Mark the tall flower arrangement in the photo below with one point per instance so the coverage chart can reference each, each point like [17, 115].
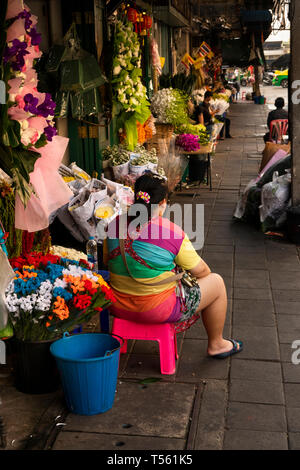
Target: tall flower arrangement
[129, 94]
[26, 121]
[169, 106]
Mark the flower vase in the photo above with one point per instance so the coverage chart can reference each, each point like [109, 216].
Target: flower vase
[35, 370]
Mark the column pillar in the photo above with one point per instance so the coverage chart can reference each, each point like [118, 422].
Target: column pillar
[294, 101]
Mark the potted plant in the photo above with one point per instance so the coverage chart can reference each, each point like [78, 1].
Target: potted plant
[48, 296]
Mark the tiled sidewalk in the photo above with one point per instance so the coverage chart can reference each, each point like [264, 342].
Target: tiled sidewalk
[249, 401]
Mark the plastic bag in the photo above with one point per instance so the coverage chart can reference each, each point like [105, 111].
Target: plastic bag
[120, 171]
[242, 202]
[79, 69]
[110, 211]
[81, 208]
[275, 197]
[85, 103]
[62, 99]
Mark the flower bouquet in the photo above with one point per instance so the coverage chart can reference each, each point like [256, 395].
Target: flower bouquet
[188, 142]
[50, 295]
[169, 106]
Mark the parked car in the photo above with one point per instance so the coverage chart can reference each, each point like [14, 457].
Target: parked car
[281, 78]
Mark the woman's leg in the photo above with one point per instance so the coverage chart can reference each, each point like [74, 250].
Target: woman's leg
[213, 305]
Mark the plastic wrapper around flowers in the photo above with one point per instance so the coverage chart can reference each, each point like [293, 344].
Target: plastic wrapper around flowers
[51, 191]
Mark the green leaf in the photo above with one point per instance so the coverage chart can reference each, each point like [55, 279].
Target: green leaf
[150, 380]
[41, 142]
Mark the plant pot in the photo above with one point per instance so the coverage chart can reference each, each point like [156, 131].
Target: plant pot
[35, 370]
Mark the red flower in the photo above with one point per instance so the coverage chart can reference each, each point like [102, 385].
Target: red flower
[89, 287]
[82, 301]
[98, 309]
[108, 293]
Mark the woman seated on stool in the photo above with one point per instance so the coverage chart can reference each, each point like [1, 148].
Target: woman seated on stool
[152, 251]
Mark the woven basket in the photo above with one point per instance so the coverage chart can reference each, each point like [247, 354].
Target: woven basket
[163, 132]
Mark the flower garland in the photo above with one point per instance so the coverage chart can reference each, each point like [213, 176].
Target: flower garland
[50, 295]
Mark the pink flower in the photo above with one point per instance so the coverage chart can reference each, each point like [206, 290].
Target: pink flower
[20, 101]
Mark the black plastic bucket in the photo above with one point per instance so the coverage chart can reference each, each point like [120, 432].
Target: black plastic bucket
[35, 369]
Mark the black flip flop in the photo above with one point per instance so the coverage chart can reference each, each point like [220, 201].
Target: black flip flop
[232, 351]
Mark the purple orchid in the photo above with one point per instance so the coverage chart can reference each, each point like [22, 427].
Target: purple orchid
[26, 15]
[31, 104]
[47, 107]
[17, 51]
[50, 132]
[35, 37]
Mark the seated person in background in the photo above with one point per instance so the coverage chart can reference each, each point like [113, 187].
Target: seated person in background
[203, 114]
[278, 113]
[152, 251]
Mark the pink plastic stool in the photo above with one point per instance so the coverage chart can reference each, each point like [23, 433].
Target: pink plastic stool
[164, 333]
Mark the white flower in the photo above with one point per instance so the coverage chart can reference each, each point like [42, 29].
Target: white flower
[117, 70]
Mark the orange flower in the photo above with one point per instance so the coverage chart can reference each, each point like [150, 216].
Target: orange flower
[61, 309]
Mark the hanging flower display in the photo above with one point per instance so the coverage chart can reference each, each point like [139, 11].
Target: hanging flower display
[129, 94]
[27, 118]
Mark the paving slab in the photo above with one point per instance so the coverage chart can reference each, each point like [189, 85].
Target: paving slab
[157, 410]
[259, 342]
[211, 420]
[255, 440]
[293, 419]
[256, 417]
[194, 365]
[253, 313]
[254, 391]
[255, 370]
[258, 294]
[251, 279]
[118, 442]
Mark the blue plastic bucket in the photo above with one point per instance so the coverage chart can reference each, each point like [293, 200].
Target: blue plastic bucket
[88, 365]
[256, 99]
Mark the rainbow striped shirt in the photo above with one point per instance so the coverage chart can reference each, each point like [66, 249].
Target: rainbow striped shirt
[160, 246]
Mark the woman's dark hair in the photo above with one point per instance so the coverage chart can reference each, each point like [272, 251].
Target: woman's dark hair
[279, 102]
[154, 186]
[208, 94]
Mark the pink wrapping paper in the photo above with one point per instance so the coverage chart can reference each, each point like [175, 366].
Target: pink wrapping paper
[51, 191]
[16, 30]
[278, 156]
[14, 7]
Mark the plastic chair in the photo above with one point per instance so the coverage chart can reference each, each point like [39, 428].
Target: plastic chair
[278, 128]
[164, 333]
